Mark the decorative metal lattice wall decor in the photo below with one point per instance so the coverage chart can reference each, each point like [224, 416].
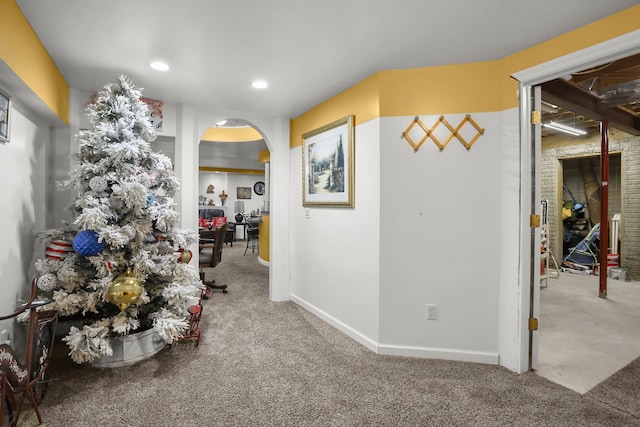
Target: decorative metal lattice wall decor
[430, 132]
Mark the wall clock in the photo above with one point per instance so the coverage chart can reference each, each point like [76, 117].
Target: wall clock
[258, 187]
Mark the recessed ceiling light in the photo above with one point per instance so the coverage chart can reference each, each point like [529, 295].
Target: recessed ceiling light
[160, 66]
[259, 84]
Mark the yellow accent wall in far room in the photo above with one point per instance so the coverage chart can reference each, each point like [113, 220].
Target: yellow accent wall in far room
[220, 134]
[264, 239]
[231, 170]
[264, 156]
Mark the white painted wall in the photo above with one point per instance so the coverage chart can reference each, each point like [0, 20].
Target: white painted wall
[229, 182]
[23, 171]
[169, 112]
[449, 201]
[280, 177]
[62, 158]
[335, 253]
[219, 182]
[510, 293]
[429, 227]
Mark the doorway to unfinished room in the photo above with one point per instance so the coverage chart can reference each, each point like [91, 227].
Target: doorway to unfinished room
[534, 302]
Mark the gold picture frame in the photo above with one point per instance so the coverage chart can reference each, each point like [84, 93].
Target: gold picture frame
[5, 111]
[328, 165]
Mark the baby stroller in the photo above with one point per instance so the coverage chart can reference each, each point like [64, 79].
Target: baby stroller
[586, 252]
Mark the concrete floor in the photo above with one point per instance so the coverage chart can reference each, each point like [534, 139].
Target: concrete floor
[584, 339]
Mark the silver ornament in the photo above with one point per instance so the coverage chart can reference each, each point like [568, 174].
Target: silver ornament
[98, 183]
[129, 231]
[47, 282]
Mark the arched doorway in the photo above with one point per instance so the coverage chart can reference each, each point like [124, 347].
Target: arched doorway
[233, 182]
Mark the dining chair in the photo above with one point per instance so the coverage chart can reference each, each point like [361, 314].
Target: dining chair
[210, 254]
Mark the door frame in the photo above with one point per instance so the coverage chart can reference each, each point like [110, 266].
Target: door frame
[610, 50]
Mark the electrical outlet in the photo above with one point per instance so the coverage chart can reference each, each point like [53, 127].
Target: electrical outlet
[432, 312]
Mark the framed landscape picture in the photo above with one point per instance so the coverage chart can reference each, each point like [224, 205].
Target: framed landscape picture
[5, 104]
[327, 165]
[244, 193]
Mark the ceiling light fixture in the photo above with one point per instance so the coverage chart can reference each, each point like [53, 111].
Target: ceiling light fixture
[260, 84]
[221, 123]
[564, 128]
[160, 66]
[549, 107]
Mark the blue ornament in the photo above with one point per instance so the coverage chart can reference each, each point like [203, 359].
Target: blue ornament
[150, 199]
[86, 243]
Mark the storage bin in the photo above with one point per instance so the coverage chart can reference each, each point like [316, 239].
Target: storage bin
[617, 273]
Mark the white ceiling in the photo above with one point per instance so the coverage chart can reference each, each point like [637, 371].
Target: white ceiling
[231, 155]
[307, 50]
[235, 155]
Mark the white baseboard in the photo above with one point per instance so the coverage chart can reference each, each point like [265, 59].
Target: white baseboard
[349, 331]
[397, 350]
[440, 353]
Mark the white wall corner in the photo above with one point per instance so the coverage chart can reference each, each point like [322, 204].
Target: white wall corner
[342, 327]
[280, 207]
[186, 168]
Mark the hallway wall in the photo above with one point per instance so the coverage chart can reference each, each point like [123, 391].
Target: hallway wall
[486, 288]
[24, 204]
[335, 252]
[450, 202]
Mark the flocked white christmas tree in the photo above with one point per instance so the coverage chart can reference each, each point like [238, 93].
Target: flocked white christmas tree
[116, 267]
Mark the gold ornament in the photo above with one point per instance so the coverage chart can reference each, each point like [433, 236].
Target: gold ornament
[185, 255]
[125, 290]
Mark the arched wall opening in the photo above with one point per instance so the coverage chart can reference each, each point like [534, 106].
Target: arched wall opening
[233, 181]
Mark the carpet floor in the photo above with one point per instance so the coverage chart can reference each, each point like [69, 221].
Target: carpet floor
[263, 363]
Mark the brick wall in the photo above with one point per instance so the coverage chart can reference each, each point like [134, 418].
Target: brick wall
[559, 153]
[574, 181]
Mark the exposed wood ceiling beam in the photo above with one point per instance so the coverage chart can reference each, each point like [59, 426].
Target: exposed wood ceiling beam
[620, 71]
[567, 96]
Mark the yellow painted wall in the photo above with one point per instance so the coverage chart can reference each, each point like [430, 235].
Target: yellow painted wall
[361, 99]
[264, 156]
[23, 52]
[231, 170]
[436, 90]
[231, 134]
[264, 238]
[461, 88]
